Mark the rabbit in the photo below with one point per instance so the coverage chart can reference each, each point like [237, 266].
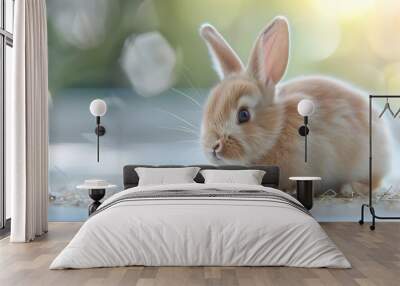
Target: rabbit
[252, 119]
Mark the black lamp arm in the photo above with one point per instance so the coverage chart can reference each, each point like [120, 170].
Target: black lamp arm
[303, 131]
[100, 131]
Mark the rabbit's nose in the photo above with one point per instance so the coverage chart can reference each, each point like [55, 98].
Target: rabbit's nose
[217, 147]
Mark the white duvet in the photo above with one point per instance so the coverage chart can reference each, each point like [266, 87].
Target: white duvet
[200, 231]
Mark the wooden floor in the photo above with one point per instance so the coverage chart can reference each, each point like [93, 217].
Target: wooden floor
[375, 257]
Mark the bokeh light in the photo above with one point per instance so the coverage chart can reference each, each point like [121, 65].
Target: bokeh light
[383, 30]
[149, 62]
[81, 23]
[319, 33]
[347, 9]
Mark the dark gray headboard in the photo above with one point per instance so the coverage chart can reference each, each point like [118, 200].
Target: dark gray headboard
[271, 177]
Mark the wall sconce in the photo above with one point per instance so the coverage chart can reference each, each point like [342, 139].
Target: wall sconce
[305, 108]
[98, 108]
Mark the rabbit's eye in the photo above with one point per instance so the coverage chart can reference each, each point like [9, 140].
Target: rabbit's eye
[243, 115]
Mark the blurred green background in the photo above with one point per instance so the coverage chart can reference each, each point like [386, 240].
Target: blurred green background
[355, 40]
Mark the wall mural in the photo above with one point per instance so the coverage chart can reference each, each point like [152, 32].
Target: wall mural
[183, 92]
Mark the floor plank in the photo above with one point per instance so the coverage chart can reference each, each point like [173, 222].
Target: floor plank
[375, 257]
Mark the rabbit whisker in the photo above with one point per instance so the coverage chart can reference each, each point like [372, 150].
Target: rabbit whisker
[187, 141]
[180, 118]
[187, 96]
[189, 80]
[187, 128]
[179, 129]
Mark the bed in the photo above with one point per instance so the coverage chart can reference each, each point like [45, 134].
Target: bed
[198, 224]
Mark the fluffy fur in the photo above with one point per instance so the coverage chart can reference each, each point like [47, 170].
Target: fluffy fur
[338, 141]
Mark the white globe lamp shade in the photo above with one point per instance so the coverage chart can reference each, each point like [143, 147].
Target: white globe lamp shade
[305, 107]
[98, 107]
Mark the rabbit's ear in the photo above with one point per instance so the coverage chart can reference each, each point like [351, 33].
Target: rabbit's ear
[269, 57]
[224, 59]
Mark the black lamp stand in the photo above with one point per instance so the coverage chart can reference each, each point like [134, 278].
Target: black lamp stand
[100, 131]
[96, 195]
[303, 131]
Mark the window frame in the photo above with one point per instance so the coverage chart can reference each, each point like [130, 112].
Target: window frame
[6, 39]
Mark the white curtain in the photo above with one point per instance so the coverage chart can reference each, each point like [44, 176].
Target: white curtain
[27, 123]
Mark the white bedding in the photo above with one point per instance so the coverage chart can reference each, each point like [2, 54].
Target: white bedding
[200, 231]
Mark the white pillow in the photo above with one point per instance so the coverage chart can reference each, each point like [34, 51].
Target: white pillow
[248, 177]
[165, 176]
